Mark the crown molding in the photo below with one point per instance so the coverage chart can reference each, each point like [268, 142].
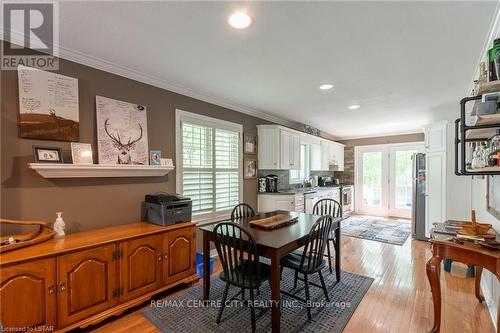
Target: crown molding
[129, 73]
[409, 132]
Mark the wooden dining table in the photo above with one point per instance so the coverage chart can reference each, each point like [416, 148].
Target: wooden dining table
[272, 244]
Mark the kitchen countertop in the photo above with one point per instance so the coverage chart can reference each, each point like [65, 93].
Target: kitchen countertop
[304, 190]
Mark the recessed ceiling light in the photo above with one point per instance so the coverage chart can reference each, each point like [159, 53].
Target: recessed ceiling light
[354, 107]
[326, 86]
[239, 20]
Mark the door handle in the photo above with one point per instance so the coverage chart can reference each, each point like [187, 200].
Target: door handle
[62, 286]
[52, 289]
[165, 256]
[160, 257]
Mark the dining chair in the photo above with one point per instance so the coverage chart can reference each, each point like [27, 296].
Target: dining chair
[334, 209]
[310, 261]
[237, 250]
[242, 210]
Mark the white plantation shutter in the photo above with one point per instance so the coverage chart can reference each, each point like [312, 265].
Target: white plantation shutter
[211, 164]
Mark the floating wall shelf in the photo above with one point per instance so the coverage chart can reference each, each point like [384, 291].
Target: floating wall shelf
[59, 170]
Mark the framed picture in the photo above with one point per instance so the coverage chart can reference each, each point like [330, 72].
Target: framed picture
[249, 144]
[48, 105]
[81, 153]
[122, 132]
[249, 168]
[47, 154]
[155, 157]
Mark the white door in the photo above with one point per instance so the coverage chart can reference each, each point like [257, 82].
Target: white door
[371, 179]
[400, 178]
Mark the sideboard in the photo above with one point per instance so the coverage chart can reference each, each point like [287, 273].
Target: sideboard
[86, 277]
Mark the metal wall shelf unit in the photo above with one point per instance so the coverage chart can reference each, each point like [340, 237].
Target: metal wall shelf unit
[465, 133]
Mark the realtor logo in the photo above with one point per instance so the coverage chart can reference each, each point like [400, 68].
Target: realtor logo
[30, 35]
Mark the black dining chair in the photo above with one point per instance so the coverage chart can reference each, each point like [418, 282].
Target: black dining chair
[242, 210]
[334, 209]
[237, 250]
[310, 261]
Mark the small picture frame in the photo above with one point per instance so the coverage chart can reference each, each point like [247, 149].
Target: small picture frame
[166, 162]
[81, 153]
[47, 154]
[249, 144]
[249, 168]
[154, 157]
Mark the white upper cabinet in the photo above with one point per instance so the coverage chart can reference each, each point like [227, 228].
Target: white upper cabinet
[332, 156]
[435, 137]
[279, 148]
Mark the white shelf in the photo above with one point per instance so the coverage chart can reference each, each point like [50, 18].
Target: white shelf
[485, 169]
[59, 170]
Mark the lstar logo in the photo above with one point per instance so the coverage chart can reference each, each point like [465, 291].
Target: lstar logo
[30, 34]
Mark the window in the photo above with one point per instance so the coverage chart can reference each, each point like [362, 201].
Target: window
[298, 176]
[208, 164]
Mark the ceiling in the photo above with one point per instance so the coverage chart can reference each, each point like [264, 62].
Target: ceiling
[406, 63]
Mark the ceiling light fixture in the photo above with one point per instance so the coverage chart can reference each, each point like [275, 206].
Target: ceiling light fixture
[354, 107]
[326, 86]
[239, 20]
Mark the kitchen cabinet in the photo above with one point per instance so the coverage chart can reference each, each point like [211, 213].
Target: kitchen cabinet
[435, 137]
[288, 202]
[179, 255]
[87, 283]
[28, 296]
[322, 193]
[141, 266]
[279, 148]
[332, 156]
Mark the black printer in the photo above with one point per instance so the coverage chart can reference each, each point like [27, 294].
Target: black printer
[166, 209]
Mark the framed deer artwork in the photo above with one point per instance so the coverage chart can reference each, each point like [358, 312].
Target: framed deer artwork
[122, 132]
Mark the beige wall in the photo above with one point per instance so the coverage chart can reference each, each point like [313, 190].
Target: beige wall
[94, 203]
[414, 137]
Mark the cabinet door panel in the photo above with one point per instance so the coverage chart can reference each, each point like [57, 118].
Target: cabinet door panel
[27, 296]
[179, 254]
[141, 266]
[86, 282]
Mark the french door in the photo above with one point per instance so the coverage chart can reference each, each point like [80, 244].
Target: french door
[383, 179]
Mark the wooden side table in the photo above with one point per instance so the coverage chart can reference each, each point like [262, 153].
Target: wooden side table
[468, 253]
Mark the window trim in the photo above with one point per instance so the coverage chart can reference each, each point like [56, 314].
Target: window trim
[307, 165]
[198, 119]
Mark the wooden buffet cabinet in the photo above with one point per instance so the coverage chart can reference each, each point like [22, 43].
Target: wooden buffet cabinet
[83, 278]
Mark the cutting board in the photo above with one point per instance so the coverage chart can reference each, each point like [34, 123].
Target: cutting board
[273, 222]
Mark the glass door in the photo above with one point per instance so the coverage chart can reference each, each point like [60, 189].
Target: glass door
[371, 180]
[400, 179]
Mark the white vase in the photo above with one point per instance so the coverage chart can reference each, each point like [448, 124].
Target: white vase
[59, 226]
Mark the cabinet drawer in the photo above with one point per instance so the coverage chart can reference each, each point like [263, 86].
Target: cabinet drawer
[299, 200]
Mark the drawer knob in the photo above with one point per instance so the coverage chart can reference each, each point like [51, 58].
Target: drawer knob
[52, 289]
[160, 257]
[62, 286]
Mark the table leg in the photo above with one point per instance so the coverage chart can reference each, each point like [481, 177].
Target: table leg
[337, 253]
[206, 267]
[479, 294]
[433, 267]
[275, 293]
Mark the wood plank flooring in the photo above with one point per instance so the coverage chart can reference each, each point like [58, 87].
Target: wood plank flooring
[399, 299]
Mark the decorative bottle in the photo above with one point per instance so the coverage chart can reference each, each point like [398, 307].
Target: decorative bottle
[59, 225]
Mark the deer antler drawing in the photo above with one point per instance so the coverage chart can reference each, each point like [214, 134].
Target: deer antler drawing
[123, 148]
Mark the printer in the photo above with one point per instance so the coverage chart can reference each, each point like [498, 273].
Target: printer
[167, 209]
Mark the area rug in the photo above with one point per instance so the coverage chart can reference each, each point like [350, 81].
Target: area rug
[188, 313]
[377, 229]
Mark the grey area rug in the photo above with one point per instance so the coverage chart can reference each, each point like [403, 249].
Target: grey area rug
[188, 313]
[377, 229]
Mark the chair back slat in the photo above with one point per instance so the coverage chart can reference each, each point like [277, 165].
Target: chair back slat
[312, 257]
[242, 210]
[328, 207]
[237, 250]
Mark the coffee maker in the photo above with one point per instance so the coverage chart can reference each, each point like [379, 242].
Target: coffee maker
[271, 183]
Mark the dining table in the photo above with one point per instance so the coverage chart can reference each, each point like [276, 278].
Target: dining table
[272, 244]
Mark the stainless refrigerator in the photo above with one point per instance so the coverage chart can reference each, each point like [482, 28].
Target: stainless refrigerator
[418, 200]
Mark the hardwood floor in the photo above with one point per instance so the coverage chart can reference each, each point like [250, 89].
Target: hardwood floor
[399, 299]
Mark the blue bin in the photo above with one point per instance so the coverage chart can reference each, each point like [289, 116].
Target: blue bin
[199, 264]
